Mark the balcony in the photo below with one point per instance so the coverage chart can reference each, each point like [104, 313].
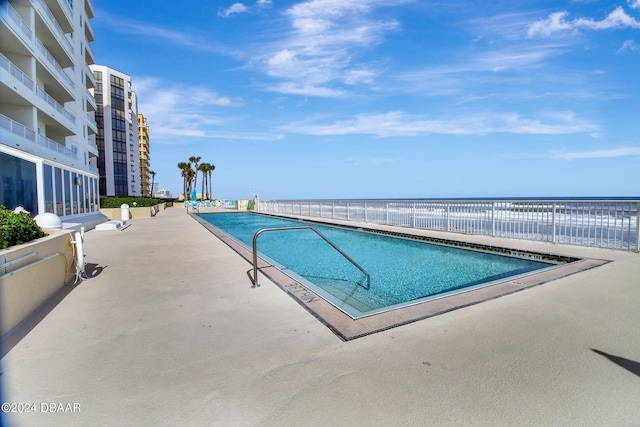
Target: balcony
[26, 133]
[56, 147]
[88, 31]
[61, 10]
[55, 105]
[17, 128]
[58, 70]
[15, 72]
[91, 101]
[89, 56]
[50, 21]
[88, 7]
[89, 78]
[91, 124]
[21, 26]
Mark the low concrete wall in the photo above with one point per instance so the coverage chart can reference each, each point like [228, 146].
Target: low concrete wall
[27, 284]
[134, 213]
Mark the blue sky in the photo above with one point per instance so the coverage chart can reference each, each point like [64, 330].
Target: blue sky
[386, 98]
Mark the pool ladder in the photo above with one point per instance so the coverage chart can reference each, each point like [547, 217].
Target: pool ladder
[300, 227]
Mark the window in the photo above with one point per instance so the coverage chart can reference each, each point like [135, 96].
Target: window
[18, 183]
[57, 179]
[67, 193]
[48, 188]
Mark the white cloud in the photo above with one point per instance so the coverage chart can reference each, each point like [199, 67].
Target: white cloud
[599, 154]
[177, 113]
[557, 22]
[234, 8]
[294, 88]
[634, 4]
[237, 8]
[397, 123]
[628, 45]
[324, 42]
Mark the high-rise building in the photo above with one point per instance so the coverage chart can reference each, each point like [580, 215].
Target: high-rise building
[47, 160]
[145, 156]
[117, 133]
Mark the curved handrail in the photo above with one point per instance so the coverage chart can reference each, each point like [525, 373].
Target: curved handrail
[299, 227]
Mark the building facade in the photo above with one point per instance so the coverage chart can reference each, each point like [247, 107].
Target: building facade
[145, 156]
[117, 133]
[48, 162]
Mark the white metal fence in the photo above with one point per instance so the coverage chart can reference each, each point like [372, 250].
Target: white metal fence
[598, 223]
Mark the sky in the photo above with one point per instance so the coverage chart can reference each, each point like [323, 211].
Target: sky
[353, 99]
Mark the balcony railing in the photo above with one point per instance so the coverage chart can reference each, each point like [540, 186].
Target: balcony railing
[17, 128]
[29, 134]
[52, 61]
[54, 146]
[52, 20]
[53, 103]
[15, 17]
[15, 72]
[596, 223]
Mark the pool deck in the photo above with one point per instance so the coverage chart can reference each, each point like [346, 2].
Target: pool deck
[169, 331]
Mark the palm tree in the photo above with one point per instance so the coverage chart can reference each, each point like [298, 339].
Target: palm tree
[195, 160]
[153, 179]
[203, 168]
[184, 168]
[210, 168]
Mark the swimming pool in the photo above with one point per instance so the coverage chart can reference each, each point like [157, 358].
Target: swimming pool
[402, 271]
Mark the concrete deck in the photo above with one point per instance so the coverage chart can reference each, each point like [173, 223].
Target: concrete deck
[168, 331]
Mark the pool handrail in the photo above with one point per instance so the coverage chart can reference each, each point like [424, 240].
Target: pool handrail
[300, 227]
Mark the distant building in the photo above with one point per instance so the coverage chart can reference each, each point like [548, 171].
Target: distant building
[117, 136]
[145, 155]
[162, 194]
[48, 161]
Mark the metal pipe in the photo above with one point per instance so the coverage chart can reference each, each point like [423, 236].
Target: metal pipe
[300, 227]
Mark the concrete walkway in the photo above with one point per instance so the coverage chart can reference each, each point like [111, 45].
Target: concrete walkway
[168, 331]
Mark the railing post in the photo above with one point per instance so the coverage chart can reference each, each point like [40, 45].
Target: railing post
[413, 215]
[365, 211]
[493, 219]
[387, 212]
[637, 227]
[448, 216]
[553, 222]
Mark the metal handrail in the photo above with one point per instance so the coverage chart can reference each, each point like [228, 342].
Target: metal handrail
[300, 227]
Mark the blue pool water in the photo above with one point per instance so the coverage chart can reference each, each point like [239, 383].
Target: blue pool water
[402, 271]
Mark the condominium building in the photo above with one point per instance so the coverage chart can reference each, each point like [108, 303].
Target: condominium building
[145, 157]
[47, 160]
[117, 133]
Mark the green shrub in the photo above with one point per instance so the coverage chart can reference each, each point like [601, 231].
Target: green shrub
[17, 228]
[116, 202]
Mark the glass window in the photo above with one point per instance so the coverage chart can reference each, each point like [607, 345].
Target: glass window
[80, 185]
[74, 193]
[86, 194]
[18, 184]
[96, 194]
[57, 178]
[67, 193]
[48, 188]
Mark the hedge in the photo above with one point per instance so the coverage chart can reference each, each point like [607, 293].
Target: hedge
[116, 202]
[17, 228]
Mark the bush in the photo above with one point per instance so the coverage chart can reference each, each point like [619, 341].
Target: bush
[116, 202]
[17, 228]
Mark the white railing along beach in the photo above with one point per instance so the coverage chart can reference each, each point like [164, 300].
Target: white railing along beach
[598, 223]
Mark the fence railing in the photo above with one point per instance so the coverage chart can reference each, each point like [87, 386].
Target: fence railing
[596, 223]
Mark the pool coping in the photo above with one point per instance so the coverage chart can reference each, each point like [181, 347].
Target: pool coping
[348, 328]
